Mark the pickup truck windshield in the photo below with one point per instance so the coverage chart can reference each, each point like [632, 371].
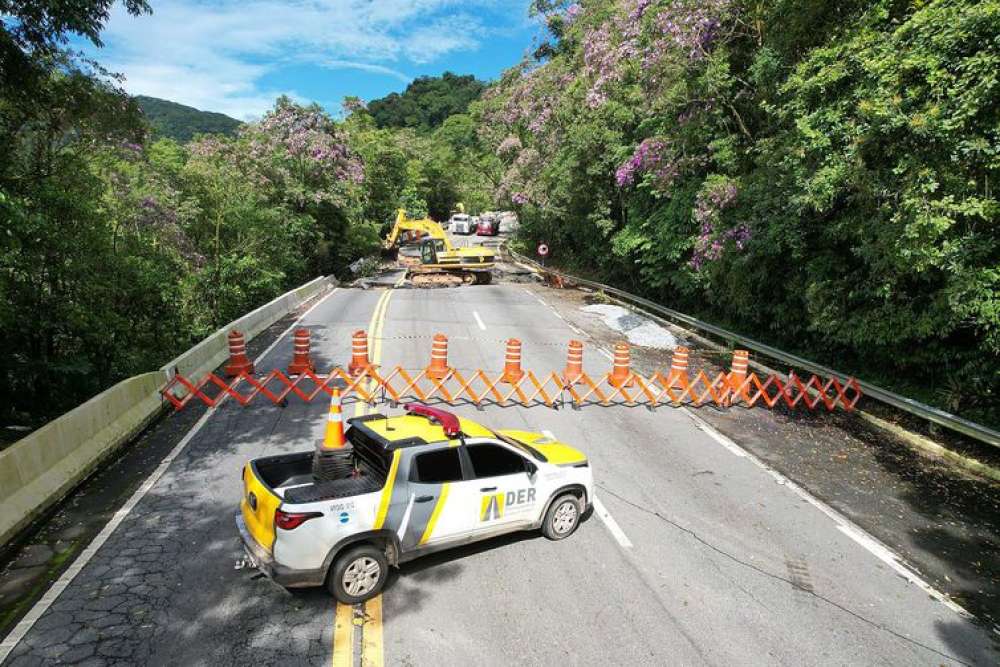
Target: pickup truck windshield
[524, 447]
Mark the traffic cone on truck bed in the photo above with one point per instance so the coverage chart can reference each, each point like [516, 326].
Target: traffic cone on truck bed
[333, 458]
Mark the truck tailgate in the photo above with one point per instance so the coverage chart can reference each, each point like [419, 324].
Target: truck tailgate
[257, 506]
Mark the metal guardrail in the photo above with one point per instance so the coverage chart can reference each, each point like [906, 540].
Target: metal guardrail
[932, 414]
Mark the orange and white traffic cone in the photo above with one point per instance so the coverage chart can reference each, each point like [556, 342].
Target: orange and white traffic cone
[679, 368]
[574, 363]
[512, 372]
[301, 362]
[359, 354]
[333, 458]
[738, 373]
[621, 371]
[333, 439]
[438, 368]
[239, 363]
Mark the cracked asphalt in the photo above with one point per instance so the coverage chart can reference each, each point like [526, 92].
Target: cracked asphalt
[726, 565]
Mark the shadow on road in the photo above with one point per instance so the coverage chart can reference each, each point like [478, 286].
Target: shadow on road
[415, 581]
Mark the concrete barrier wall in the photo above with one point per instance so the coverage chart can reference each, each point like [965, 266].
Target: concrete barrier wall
[40, 469]
[211, 352]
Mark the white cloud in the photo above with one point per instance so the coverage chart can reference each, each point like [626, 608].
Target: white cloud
[214, 56]
[366, 67]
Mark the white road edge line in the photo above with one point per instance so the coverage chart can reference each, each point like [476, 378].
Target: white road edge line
[715, 435]
[21, 629]
[479, 320]
[868, 542]
[845, 525]
[603, 514]
[612, 525]
[537, 298]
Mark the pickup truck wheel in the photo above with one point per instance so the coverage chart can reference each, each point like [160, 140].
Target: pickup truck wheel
[562, 518]
[358, 574]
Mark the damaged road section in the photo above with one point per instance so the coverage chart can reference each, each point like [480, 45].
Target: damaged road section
[637, 329]
[943, 522]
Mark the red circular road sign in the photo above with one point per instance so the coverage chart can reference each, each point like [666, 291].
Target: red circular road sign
[543, 249]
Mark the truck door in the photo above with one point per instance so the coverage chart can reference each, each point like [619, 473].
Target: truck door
[437, 494]
[506, 490]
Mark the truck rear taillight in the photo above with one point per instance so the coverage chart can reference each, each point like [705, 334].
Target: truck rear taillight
[292, 520]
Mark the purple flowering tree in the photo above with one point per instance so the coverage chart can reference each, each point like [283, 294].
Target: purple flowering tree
[304, 154]
[654, 162]
[716, 196]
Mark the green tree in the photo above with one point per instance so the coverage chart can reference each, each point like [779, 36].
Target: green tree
[817, 174]
[33, 32]
[426, 102]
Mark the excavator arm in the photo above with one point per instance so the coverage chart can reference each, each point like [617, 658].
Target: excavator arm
[440, 263]
[425, 227]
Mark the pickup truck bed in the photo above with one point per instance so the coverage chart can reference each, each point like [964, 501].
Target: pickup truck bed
[290, 476]
[338, 488]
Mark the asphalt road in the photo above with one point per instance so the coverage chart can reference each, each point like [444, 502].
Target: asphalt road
[712, 561]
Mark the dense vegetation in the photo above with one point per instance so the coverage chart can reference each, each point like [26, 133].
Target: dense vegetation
[427, 101]
[181, 123]
[819, 174]
[121, 247]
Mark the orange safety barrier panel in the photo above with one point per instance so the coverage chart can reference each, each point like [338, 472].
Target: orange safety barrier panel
[514, 385]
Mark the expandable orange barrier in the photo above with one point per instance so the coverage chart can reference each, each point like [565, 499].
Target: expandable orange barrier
[301, 361]
[512, 362]
[359, 353]
[239, 363]
[621, 386]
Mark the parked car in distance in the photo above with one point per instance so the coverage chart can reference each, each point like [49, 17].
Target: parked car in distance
[508, 222]
[460, 223]
[488, 226]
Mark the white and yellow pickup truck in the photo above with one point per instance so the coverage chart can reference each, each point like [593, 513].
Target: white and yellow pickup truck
[421, 482]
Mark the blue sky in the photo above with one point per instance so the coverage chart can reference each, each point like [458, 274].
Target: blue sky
[236, 56]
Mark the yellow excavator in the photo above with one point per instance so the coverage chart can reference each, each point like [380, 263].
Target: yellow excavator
[440, 263]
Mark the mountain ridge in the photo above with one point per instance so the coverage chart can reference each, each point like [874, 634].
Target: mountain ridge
[181, 122]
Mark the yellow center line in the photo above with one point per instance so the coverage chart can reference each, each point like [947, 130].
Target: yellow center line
[343, 636]
[371, 644]
[371, 628]
[375, 340]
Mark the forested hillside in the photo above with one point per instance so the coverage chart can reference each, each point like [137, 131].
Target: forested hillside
[123, 247]
[819, 174]
[181, 123]
[426, 102]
